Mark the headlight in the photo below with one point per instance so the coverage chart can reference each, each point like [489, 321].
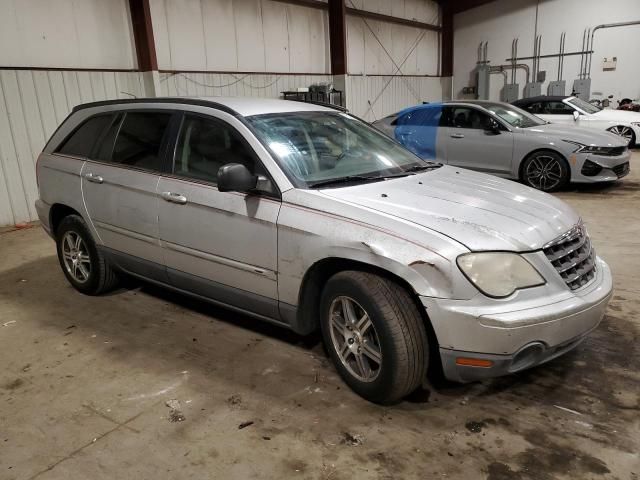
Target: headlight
[499, 274]
[582, 148]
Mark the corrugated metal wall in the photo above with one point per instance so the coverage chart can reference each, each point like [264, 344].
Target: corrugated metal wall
[234, 84]
[32, 105]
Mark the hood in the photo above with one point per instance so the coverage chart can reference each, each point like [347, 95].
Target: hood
[586, 136]
[480, 211]
[617, 115]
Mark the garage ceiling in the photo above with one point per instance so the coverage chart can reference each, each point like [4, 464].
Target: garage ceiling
[458, 6]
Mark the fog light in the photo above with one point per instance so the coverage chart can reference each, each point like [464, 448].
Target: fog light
[473, 362]
[590, 169]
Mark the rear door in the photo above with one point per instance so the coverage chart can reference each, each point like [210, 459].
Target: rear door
[472, 144]
[119, 188]
[221, 245]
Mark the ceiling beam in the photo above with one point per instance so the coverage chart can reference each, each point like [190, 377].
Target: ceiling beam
[356, 12]
[458, 6]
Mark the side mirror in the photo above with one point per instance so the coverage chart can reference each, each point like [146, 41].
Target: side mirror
[493, 127]
[576, 116]
[235, 177]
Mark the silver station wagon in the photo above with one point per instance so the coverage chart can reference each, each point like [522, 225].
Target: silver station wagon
[307, 217]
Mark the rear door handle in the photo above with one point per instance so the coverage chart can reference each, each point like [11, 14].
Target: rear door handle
[93, 178]
[457, 135]
[174, 198]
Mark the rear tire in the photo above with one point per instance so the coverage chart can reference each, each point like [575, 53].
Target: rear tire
[381, 349]
[545, 170]
[85, 267]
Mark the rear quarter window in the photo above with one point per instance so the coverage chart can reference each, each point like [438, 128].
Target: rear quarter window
[81, 142]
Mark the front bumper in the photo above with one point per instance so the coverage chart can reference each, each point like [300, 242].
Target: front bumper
[591, 168]
[513, 338]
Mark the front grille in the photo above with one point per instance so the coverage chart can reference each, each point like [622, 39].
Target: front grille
[573, 257]
[621, 170]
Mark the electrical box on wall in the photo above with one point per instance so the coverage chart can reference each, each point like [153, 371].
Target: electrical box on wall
[509, 93]
[532, 89]
[482, 81]
[557, 88]
[609, 64]
[582, 88]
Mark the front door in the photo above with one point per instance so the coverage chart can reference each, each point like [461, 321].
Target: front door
[473, 144]
[119, 189]
[221, 245]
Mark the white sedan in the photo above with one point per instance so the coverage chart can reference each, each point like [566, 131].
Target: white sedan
[575, 111]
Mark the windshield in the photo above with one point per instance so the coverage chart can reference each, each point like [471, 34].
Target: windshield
[316, 148]
[582, 105]
[514, 116]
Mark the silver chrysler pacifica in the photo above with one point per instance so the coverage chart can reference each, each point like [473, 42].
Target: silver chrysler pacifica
[302, 215]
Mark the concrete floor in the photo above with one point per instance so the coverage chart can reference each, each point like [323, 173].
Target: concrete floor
[149, 385]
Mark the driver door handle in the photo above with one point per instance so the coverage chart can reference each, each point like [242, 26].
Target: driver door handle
[93, 178]
[457, 135]
[174, 198]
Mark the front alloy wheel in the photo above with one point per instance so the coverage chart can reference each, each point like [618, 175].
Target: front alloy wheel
[546, 171]
[355, 339]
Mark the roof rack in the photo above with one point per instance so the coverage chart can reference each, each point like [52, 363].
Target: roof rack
[176, 100]
[323, 104]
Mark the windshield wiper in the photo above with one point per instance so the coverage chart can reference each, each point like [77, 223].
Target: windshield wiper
[347, 179]
[419, 168]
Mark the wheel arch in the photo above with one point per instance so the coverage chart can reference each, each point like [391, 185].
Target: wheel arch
[316, 276]
[57, 213]
[538, 150]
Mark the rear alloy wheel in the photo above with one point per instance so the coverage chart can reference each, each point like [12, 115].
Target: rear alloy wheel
[375, 335]
[624, 132]
[546, 171]
[82, 263]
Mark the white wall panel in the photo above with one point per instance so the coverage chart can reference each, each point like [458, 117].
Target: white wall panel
[374, 97]
[234, 84]
[501, 21]
[378, 48]
[66, 34]
[240, 35]
[32, 105]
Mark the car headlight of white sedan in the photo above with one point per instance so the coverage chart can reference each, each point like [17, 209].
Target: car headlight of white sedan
[499, 274]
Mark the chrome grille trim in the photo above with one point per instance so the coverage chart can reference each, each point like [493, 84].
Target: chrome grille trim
[573, 257]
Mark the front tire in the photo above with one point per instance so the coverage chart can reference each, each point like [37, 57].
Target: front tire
[86, 269]
[545, 170]
[375, 335]
[624, 132]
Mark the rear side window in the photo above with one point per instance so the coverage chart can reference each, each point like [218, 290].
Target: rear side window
[139, 140]
[205, 145]
[81, 142]
[424, 117]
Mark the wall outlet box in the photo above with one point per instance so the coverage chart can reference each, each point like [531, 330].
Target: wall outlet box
[609, 64]
[532, 89]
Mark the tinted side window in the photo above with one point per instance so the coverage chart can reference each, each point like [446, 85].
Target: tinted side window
[105, 144]
[139, 140]
[425, 117]
[465, 117]
[534, 108]
[557, 108]
[81, 141]
[205, 145]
